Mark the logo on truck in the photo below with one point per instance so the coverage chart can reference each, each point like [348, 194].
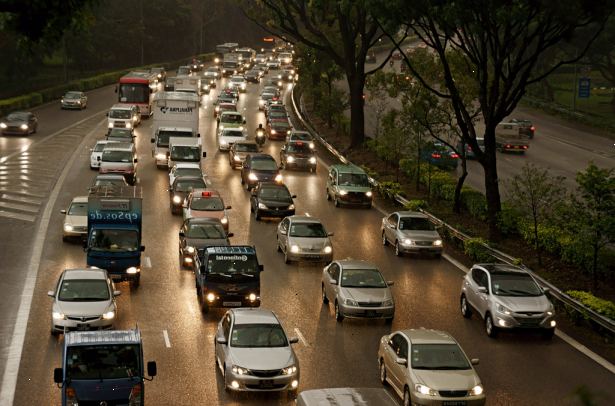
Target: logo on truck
[164, 109]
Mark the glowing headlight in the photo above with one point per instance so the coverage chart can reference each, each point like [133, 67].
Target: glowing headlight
[159, 75]
[217, 109]
[388, 302]
[313, 160]
[280, 83]
[110, 125]
[221, 126]
[262, 206]
[216, 60]
[68, 227]
[278, 178]
[289, 370]
[504, 310]
[252, 177]
[190, 249]
[291, 207]
[260, 102]
[62, 101]
[24, 126]
[161, 156]
[425, 390]
[132, 270]
[328, 249]
[239, 370]
[224, 220]
[240, 128]
[236, 158]
[343, 193]
[477, 390]
[553, 323]
[287, 131]
[437, 243]
[210, 297]
[350, 302]
[290, 159]
[135, 118]
[57, 316]
[251, 297]
[243, 85]
[368, 193]
[294, 249]
[2, 125]
[109, 315]
[177, 199]
[273, 131]
[408, 242]
[223, 143]
[128, 125]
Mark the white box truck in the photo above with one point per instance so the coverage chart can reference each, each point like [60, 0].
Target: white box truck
[175, 114]
[182, 149]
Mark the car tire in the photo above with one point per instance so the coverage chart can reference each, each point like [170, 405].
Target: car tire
[336, 202]
[279, 248]
[135, 282]
[490, 328]
[286, 259]
[242, 182]
[64, 238]
[383, 373]
[464, 306]
[54, 333]
[257, 215]
[325, 300]
[397, 250]
[328, 195]
[548, 334]
[385, 242]
[407, 399]
[389, 320]
[338, 314]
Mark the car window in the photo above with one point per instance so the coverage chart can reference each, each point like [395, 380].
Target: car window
[78, 209]
[208, 231]
[395, 342]
[438, 357]
[264, 165]
[362, 278]
[246, 147]
[258, 336]
[402, 351]
[274, 193]
[392, 220]
[226, 326]
[83, 290]
[284, 224]
[187, 185]
[416, 223]
[212, 203]
[514, 285]
[477, 277]
[334, 271]
[307, 230]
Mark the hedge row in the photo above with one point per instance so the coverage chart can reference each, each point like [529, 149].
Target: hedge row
[602, 306]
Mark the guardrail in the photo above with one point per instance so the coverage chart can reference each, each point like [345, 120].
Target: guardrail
[597, 318]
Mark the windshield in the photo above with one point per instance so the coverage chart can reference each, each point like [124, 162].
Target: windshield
[353, 179]
[212, 203]
[301, 136]
[209, 231]
[232, 266]
[274, 193]
[212, 70]
[103, 361]
[438, 356]
[264, 165]
[231, 133]
[185, 153]
[114, 240]
[416, 223]
[17, 116]
[237, 80]
[231, 118]
[78, 209]
[258, 336]
[267, 96]
[277, 114]
[110, 182]
[117, 156]
[125, 114]
[72, 95]
[307, 230]
[83, 290]
[196, 172]
[246, 147]
[231, 65]
[183, 70]
[300, 148]
[134, 93]
[118, 132]
[362, 278]
[99, 147]
[188, 185]
[514, 285]
[163, 136]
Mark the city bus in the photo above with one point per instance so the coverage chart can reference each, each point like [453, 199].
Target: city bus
[137, 88]
[224, 49]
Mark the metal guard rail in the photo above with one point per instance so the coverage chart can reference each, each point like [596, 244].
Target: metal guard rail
[562, 297]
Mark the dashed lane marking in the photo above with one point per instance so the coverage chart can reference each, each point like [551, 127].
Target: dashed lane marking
[147, 262]
[301, 337]
[167, 342]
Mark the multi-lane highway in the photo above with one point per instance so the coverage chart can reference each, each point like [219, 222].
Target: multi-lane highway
[515, 369]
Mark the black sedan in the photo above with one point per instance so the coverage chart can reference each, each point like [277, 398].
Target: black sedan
[271, 200]
[19, 123]
[298, 154]
[440, 155]
[197, 233]
[259, 168]
[181, 187]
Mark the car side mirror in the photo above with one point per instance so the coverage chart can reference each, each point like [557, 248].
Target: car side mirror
[293, 196]
[58, 375]
[136, 160]
[482, 289]
[230, 235]
[62, 211]
[330, 234]
[221, 340]
[474, 361]
[84, 245]
[293, 340]
[546, 290]
[204, 154]
[182, 234]
[98, 158]
[152, 369]
[142, 248]
[401, 361]
[332, 281]
[152, 140]
[390, 283]
[261, 267]
[51, 293]
[117, 293]
[228, 207]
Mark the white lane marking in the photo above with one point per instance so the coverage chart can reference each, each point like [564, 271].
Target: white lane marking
[456, 263]
[167, 342]
[307, 214]
[11, 369]
[301, 337]
[147, 262]
[584, 350]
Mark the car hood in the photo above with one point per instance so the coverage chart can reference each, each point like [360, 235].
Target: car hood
[525, 303]
[314, 243]
[263, 358]
[206, 242]
[14, 120]
[367, 294]
[420, 235]
[275, 203]
[76, 221]
[83, 308]
[464, 379]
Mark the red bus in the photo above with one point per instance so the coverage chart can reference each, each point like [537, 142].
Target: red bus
[137, 88]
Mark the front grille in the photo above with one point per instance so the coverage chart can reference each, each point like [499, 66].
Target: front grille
[424, 243]
[530, 314]
[369, 304]
[528, 322]
[266, 386]
[83, 319]
[107, 402]
[453, 393]
[311, 249]
[119, 124]
[266, 373]
[80, 228]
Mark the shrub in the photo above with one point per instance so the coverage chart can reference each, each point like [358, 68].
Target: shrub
[509, 220]
[447, 192]
[575, 251]
[389, 189]
[475, 202]
[602, 306]
[440, 179]
[416, 205]
[476, 250]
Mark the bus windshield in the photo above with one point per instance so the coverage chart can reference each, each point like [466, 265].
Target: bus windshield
[95, 362]
[134, 93]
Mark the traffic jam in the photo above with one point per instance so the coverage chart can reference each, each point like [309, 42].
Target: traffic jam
[252, 349]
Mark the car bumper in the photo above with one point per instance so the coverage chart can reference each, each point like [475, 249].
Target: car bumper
[72, 106]
[504, 321]
[15, 131]
[367, 312]
[354, 201]
[250, 383]
[76, 325]
[75, 233]
[300, 164]
[310, 256]
[275, 213]
[279, 135]
[420, 249]
[421, 399]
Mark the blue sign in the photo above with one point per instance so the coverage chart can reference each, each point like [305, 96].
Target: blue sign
[113, 216]
[584, 88]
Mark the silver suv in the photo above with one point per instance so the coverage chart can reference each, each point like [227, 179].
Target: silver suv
[410, 232]
[506, 297]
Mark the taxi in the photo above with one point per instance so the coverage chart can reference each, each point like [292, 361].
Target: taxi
[206, 203]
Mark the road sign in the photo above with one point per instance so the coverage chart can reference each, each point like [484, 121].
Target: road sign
[584, 88]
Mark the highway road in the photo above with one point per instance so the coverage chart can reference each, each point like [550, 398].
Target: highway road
[517, 369]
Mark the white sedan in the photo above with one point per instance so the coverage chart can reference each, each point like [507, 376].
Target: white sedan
[229, 136]
[185, 169]
[75, 218]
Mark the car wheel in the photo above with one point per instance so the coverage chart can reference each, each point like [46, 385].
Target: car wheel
[64, 238]
[328, 195]
[383, 373]
[325, 300]
[385, 242]
[389, 320]
[397, 249]
[181, 263]
[54, 332]
[490, 328]
[257, 215]
[136, 281]
[336, 202]
[286, 259]
[279, 247]
[407, 399]
[338, 314]
[548, 333]
[466, 311]
[242, 182]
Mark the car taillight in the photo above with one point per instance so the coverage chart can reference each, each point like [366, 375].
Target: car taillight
[71, 397]
[435, 155]
[532, 128]
[454, 156]
[136, 395]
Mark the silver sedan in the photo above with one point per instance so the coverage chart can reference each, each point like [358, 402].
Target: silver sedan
[357, 290]
[410, 232]
[303, 238]
[253, 353]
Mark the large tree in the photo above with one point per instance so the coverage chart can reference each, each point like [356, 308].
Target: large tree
[501, 42]
[344, 30]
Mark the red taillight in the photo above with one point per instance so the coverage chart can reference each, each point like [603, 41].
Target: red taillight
[135, 395]
[454, 156]
[525, 147]
[532, 128]
[435, 155]
[507, 146]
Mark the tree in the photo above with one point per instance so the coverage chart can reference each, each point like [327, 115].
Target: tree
[536, 194]
[602, 54]
[378, 97]
[344, 30]
[395, 141]
[500, 42]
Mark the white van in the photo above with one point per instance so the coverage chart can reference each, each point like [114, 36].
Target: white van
[185, 149]
[120, 158]
[123, 116]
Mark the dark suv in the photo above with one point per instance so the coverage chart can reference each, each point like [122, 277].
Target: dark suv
[271, 200]
[259, 168]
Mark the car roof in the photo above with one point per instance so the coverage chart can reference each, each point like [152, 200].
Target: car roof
[80, 199]
[502, 269]
[186, 178]
[304, 219]
[356, 264]
[261, 156]
[198, 192]
[246, 142]
[272, 185]
[184, 165]
[230, 113]
[347, 168]
[202, 220]
[109, 176]
[254, 316]
[122, 107]
[92, 273]
[408, 213]
[428, 336]
[347, 397]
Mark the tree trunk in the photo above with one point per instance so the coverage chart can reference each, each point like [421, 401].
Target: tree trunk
[536, 243]
[492, 193]
[595, 267]
[459, 185]
[356, 84]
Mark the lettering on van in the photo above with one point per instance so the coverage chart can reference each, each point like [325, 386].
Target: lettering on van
[121, 216]
[165, 109]
[231, 257]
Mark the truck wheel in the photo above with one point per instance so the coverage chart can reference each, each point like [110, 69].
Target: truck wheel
[204, 307]
[136, 281]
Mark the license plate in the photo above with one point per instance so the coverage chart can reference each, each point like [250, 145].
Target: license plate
[370, 313]
[266, 383]
[231, 304]
[83, 327]
[454, 403]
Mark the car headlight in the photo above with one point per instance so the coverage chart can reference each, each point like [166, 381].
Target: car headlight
[239, 370]
[290, 159]
[236, 158]
[368, 193]
[128, 125]
[132, 270]
[221, 126]
[273, 131]
[313, 160]
[288, 132]
[425, 390]
[24, 126]
[61, 100]
[252, 297]
[343, 193]
[252, 176]
[408, 241]
[57, 316]
[135, 118]
[350, 302]
[262, 206]
[224, 220]
[240, 128]
[477, 390]
[2, 125]
[387, 303]
[177, 199]
[217, 60]
[260, 102]
[159, 76]
[108, 315]
[223, 143]
[68, 227]
[217, 109]
[190, 249]
[278, 178]
[294, 249]
[110, 125]
[161, 155]
[328, 249]
[291, 207]
[437, 243]
[243, 85]
[289, 370]
[210, 297]
[504, 310]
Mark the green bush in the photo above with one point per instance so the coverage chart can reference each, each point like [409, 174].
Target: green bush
[447, 192]
[575, 251]
[416, 205]
[475, 202]
[602, 306]
[548, 236]
[439, 179]
[509, 220]
[389, 189]
[476, 250]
